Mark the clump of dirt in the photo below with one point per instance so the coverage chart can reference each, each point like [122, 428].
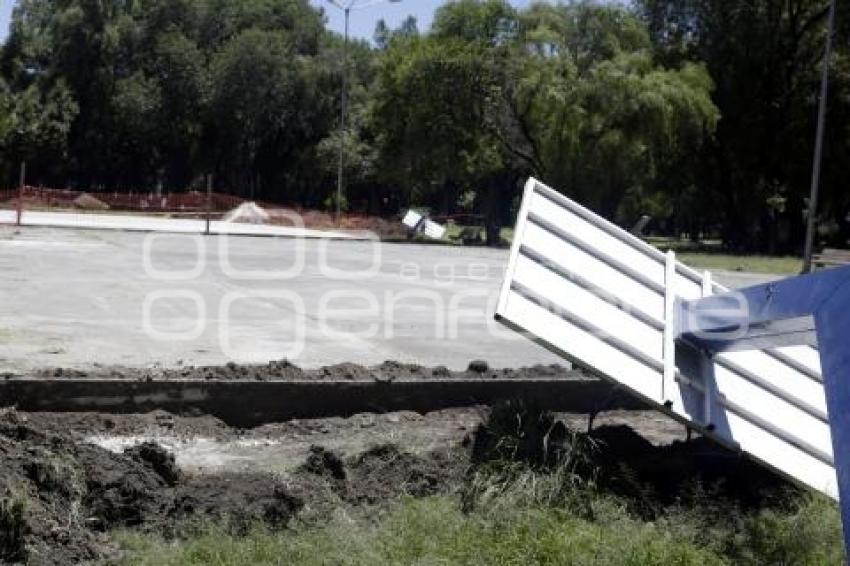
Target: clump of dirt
[283, 370]
[384, 472]
[347, 371]
[59, 497]
[160, 459]
[324, 462]
[241, 500]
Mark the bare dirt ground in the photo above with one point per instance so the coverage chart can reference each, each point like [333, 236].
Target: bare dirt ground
[64, 494]
[284, 370]
[67, 479]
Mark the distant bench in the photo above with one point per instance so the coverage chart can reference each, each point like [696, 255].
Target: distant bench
[830, 257]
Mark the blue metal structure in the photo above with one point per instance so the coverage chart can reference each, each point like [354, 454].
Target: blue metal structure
[808, 309]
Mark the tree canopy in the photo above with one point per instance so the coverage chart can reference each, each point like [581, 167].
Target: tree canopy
[698, 113]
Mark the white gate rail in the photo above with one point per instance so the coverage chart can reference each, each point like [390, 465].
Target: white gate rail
[602, 298]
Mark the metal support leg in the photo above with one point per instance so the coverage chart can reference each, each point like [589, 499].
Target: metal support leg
[669, 347]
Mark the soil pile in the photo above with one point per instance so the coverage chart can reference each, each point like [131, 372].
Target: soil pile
[58, 497]
[248, 213]
[286, 371]
[660, 475]
[619, 460]
[383, 473]
[88, 202]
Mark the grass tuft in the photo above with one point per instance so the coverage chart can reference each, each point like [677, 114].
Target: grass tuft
[13, 528]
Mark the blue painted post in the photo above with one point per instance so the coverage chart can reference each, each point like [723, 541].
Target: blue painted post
[807, 309]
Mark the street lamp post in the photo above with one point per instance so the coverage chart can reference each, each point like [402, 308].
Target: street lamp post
[813, 198]
[346, 7]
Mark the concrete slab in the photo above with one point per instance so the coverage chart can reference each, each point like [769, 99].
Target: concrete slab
[76, 298]
[140, 223]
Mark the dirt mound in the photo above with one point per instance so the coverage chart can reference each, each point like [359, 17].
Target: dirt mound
[240, 499]
[652, 475]
[275, 370]
[85, 425]
[385, 472]
[59, 494]
[158, 458]
[324, 463]
[247, 212]
[683, 470]
[87, 202]
[58, 497]
[286, 371]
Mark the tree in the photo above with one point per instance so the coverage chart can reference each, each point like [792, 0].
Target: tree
[253, 90]
[458, 66]
[765, 56]
[430, 109]
[585, 107]
[382, 35]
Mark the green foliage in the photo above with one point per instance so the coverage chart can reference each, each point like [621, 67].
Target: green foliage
[509, 529]
[429, 106]
[40, 120]
[254, 86]
[155, 91]
[7, 119]
[591, 112]
[619, 106]
[13, 528]
[487, 22]
[783, 265]
[435, 531]
[766, 59]
[806, 535]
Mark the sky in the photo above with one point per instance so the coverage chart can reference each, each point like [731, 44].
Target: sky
[5, 12]
[362, 21]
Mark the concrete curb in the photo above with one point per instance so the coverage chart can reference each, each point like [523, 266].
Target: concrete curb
[252, 403]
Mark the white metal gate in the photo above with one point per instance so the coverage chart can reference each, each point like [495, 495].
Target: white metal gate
[604, 299]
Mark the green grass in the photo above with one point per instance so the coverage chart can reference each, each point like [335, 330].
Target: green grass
[753, 263]
[436, 531]
[707, 254]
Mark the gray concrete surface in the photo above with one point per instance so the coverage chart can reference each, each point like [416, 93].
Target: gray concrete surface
[77, 298]
[150, 223]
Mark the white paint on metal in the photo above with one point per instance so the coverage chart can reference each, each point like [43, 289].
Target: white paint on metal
[412, 219]
[433, 230]
[419, 223]
[707, 373]
[601, 298]
[669, 382]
